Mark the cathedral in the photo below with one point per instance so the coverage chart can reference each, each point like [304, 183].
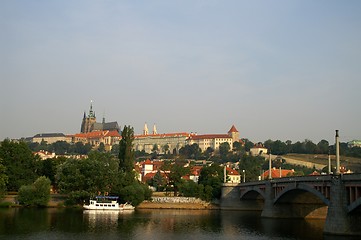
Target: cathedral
[90, 124]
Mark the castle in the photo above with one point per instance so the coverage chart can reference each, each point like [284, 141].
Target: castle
[90, 124]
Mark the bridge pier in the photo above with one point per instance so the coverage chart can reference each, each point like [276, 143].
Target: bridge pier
[230, 199]
[338, 220]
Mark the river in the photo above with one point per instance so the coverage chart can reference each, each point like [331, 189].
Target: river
[52, 223]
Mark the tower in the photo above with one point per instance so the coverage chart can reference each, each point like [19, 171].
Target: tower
[233, 132]
[145, 130]
[88, 121]
[154, 130]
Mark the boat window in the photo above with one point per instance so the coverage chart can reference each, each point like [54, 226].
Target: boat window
[97, 205]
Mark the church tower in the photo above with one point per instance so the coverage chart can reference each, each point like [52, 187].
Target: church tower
[145, 130]
[88, 121]
[233, 132]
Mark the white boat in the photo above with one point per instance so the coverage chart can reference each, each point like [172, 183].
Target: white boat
[107, 203]
[103, 203]
[127, 206]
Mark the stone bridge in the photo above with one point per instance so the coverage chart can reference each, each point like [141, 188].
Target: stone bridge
[334, 197]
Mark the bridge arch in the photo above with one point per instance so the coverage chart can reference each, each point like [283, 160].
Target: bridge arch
[252, 192]
[302, 187]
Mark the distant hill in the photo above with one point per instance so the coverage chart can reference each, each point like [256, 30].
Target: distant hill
[319, 160]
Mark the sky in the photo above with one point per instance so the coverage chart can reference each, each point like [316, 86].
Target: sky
[279, 70]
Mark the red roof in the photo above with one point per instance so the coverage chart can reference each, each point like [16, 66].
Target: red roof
[98, 134]
[181, 134]
[231, 171]
[209, 136]
[233, 129]
[278, 173]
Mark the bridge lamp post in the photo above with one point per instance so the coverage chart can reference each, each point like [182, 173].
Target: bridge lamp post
[337, 153]
[244, 175]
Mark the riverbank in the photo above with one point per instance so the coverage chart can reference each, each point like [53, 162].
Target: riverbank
[57, 201]
[190, 206]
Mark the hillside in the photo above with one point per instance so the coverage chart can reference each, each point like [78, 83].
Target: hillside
[354, 164]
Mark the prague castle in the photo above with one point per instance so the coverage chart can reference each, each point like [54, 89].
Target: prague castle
[174, 141]
[89, 123]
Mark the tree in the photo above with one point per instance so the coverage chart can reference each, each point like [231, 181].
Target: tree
[190, 151]
[88, 177]
[19, 162]
[49, 166]
[158, 181]
[3, 180]
[252, 165]
[101, 147]
[212, 176]
[323, 147]
[128, 188]
[224, 149]
[126, 152]
[175, 171]
[237, 146]
[36, 194]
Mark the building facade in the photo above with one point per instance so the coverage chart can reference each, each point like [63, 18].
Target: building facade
[95, 138]
[214, 140]
[163, 142]
[50, 138]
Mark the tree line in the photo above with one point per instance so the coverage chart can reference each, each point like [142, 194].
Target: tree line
[80, 179]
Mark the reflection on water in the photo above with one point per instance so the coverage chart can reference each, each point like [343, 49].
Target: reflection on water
[152, 224]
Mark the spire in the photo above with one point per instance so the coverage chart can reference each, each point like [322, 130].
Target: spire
[84, 115]
[91, 112]
[145, 130]
[154, 129]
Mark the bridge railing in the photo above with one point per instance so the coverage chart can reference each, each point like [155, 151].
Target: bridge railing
[316, 178]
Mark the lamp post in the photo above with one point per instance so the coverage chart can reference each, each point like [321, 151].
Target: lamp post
[337, 153]
[244, 175]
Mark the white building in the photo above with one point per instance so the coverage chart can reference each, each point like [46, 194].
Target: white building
[170, 141]
[214, 140]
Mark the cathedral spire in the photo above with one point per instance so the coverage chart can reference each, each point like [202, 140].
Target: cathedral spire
[145, 130]
[154, 129]
[91, 112]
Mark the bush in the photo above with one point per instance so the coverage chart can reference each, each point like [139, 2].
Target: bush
[36, 194]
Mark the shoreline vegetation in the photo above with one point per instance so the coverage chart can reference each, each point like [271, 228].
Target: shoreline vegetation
[57, 201]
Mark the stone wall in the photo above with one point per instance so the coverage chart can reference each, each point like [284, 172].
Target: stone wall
[177, 200]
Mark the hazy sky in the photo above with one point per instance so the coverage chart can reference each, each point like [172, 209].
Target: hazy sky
[275, 69]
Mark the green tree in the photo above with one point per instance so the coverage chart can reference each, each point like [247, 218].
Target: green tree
[20, 164]
[175, 171]
[88, 177]
[135, 193]
[128, 188]
[36, 194]
[252, 166]
[190, 151]
[3, 180]
[60, 147]
[224, 149]
[101, 147]
[247, 144]
[212, 176]
[237, 146]
[323, 147]
[49, 166]
[126, 152]
[158, 181]
[189, 189]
